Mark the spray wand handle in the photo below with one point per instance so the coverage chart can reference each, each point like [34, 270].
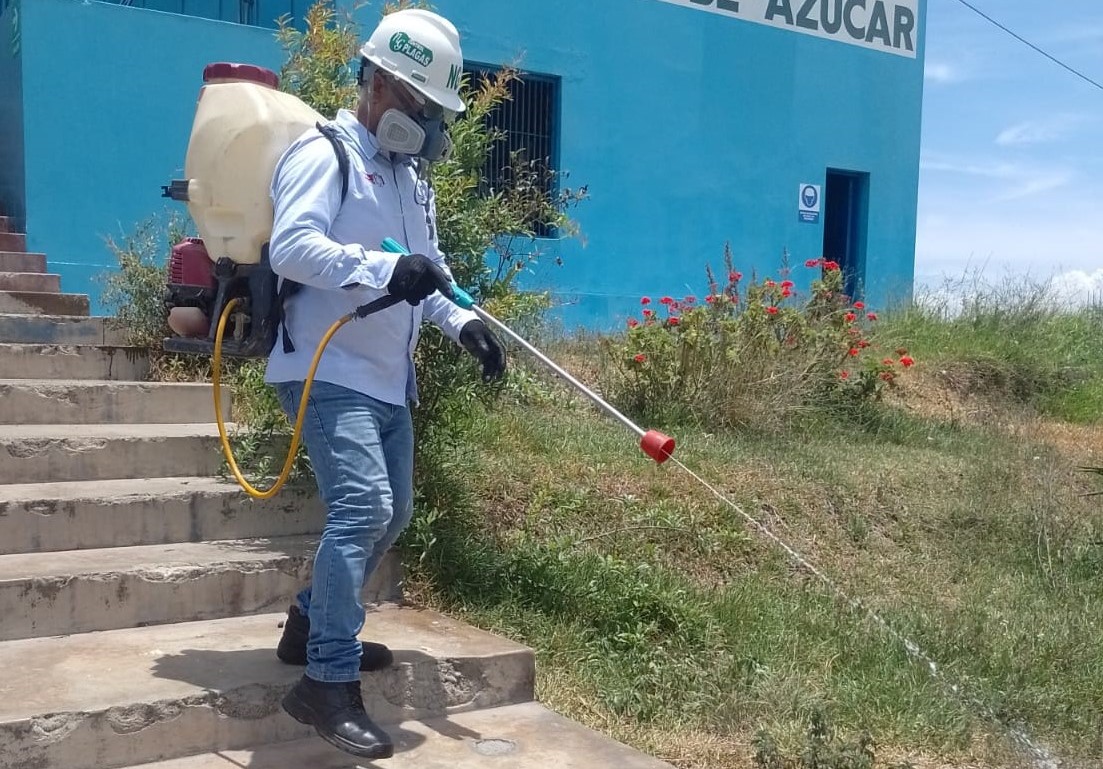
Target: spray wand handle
[459, 296]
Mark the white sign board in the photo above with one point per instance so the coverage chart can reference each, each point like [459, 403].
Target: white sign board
[891, 26]
[808, 203]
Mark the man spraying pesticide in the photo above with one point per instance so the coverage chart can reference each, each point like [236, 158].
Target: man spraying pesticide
[352, 226]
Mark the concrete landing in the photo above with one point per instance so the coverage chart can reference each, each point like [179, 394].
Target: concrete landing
[101, 700]
[525, 736]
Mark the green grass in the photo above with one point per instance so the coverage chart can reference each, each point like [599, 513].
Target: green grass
[657, 611]
[1010, 340]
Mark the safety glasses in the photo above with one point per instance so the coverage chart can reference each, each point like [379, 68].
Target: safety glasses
[413, 103]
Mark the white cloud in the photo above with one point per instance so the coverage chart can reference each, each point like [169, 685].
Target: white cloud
[1015, 180]
[941, 72]
[1035, 185]
[1046, 131]
[1077, 288]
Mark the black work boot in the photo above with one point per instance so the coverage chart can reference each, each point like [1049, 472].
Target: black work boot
[292, 647]
[336, 711]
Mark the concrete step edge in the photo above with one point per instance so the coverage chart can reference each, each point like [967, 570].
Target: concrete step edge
[89, 515]
[81, 591]
[138, 695]
[526, 735]
[115, 489]
[148, 430]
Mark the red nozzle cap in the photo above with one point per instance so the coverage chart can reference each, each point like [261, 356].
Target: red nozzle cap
[657, 446]
[228, 70]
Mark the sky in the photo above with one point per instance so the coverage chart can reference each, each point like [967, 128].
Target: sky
[1011, 168]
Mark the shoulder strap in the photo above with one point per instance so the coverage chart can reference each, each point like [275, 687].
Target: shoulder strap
[339, 150]
[289, 288]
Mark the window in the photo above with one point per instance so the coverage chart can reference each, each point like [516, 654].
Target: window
[530, 122]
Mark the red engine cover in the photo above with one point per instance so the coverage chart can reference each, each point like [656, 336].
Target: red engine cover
[190, 265]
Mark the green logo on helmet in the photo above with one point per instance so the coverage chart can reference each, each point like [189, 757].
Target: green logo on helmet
[401, 43]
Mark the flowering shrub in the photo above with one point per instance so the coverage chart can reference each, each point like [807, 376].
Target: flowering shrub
[748, 352]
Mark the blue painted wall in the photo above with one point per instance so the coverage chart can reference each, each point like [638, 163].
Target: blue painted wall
[694, 129]
[690, 129]
[106, 127]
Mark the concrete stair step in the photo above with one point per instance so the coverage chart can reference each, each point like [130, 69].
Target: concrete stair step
[21, 261]
[522, 736]
[43, 303]
[60, 329]
[57, 361]
[60, 401]
[47, 453]
[30, 281]
[13, 241]
[46, 517]
[104, 700]
[78, 591]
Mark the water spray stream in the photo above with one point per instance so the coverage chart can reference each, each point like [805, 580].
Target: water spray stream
[1039, 755]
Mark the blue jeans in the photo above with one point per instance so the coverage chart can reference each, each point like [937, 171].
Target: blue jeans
[362, 451]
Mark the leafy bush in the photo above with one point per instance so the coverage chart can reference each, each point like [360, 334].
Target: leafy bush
[133, 294]
[751, 354]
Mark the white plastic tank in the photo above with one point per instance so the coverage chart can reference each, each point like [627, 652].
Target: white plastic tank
[242, 126]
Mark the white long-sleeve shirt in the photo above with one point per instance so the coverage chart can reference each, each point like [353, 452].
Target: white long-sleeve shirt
[333, 249]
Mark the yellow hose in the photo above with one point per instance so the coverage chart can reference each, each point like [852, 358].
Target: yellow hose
[295, 436]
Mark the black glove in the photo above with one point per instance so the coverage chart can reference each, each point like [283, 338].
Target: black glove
[416, 276]
[477, 340]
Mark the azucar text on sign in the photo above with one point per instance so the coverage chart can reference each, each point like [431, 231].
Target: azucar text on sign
[886, 25]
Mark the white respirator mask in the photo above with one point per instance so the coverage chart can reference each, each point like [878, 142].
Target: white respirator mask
[424, 138]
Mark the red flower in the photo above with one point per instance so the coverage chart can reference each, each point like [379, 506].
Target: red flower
[648, 313]
[831, 265]
[772, 310]
[787, 284]
[813, 262]
[769, 283]
[690, 300]
[851, 317]
[666, 300]
[632, 323]
[907, 361]
[645, 300]
[859, 305]
[844, 375]
[871, 315]
[675, 306]
[710, 299]
[853, 352]
[887, 376]
[863, 343]
[888, 361]
[640, 358]
[786, 293]
[674, 321]
[735, 277]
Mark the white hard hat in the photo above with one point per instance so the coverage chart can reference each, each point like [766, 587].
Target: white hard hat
[422, 49]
